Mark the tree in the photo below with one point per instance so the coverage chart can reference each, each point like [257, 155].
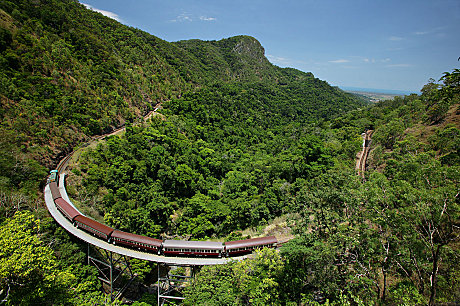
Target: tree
[28, 269]
[253, 281]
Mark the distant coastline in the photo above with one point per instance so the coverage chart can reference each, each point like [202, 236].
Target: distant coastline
[380, 91]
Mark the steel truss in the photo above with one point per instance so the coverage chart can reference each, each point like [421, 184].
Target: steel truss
[170, 285]
[111, 269]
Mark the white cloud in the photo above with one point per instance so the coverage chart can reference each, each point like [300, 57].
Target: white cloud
[278, 60]
[103, 12]
[186, 17]
[369, 60]
[422, 32]
[431, 31]
[373, 60]
[183, 18]
[395, 38]
[204, 18]
[339, 61]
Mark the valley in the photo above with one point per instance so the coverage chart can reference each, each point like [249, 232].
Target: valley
[209, 141]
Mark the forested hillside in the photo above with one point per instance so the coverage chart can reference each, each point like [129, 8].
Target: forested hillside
[390, 239]
[239, 142]
[68, 73]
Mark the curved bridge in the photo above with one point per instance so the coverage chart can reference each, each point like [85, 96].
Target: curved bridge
[65, 223]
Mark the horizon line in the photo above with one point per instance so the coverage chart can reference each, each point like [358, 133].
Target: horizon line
[379, 90]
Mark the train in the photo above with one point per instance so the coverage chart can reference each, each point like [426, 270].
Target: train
[53, 176]
[166, 247]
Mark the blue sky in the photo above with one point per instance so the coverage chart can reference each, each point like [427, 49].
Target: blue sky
[384, 44]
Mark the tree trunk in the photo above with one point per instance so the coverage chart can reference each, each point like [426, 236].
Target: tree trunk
[434, 276]
[384, 283]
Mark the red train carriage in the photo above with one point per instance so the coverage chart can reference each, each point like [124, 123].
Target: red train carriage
[66, 209]
[54, 190]
[94, 227]
[246, 246]
[137, 241]
[194, 248]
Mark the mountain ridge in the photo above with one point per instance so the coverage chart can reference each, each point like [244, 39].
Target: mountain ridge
[70, 73]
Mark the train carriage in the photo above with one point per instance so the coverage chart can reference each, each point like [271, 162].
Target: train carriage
[239, 247]
[194, 248]
[94, 227]
[54, 190]
[143, 243]
[66, 209]
[137, 241]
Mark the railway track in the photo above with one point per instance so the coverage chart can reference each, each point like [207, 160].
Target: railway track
[133, 253]
[60, 212]
[62, 165]
[361, 163]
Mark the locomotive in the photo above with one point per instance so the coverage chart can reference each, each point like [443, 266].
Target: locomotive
[147, 244]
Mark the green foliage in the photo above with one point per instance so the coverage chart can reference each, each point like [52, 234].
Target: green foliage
[392, 238]
[240, 142]
[67, 71]
[96, 298]
[406, 294]
[250, 282]
[209, 185]
[29, 273]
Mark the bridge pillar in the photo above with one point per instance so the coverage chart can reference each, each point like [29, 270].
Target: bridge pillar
[110, 270]
[171, 282]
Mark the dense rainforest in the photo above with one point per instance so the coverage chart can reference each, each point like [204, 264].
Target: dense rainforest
[237, 144]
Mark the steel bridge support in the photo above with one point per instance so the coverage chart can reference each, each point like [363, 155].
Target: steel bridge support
[170, 285]
[110, 270]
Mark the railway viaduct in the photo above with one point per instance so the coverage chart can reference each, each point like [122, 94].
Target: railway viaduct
[115, 259]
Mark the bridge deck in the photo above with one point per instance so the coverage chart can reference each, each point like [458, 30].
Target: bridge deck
[65, 223]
